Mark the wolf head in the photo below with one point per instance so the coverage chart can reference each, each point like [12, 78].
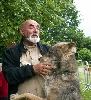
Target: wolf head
[62, 56]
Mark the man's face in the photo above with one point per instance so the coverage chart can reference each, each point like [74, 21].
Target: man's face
[30, 27]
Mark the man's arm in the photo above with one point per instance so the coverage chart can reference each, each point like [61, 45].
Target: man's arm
[15, 74]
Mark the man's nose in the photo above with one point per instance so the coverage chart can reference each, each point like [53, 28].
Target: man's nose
[35, 30]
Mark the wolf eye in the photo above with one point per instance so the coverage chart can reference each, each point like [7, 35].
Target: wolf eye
[49, 51]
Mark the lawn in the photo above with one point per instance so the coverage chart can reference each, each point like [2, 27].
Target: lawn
[85, 84]
[86, 95]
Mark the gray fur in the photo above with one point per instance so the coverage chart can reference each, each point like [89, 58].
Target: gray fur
[62, 83]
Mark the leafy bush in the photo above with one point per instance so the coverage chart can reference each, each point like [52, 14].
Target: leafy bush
[2, 48]
[84, 54]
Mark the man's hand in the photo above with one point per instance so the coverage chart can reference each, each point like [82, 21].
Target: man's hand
[42, 68]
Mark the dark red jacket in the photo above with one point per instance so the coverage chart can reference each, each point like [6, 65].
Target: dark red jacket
[3, 86]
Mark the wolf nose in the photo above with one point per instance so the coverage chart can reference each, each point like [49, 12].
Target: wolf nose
[39, 59]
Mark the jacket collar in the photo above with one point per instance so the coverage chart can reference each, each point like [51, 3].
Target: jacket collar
[23, 50]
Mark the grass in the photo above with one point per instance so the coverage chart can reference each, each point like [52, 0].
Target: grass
[86, 95]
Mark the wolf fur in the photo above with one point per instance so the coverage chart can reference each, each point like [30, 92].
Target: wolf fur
[62, 83]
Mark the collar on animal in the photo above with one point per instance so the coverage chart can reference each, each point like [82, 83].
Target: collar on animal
[63, 72]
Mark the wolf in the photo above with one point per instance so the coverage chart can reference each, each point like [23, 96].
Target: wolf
[62, 83]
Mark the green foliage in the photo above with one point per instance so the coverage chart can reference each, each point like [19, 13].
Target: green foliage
[1, 52]
[87, 43]
[84, 54]
[58, 19]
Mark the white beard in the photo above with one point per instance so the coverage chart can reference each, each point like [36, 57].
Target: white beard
[34, 40]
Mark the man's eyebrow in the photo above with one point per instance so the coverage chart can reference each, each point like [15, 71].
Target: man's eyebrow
[33, 25]
[38, 25]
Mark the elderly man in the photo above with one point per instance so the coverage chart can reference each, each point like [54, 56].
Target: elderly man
[21, 66]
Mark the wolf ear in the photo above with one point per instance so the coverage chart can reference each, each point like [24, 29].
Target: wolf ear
[74, 42]
[71, 44]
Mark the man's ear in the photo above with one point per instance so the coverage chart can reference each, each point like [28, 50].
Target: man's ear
[22, 32]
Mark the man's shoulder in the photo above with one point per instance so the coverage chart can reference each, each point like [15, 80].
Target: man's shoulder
[44, 48]
[14, 48]
[44, 45]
